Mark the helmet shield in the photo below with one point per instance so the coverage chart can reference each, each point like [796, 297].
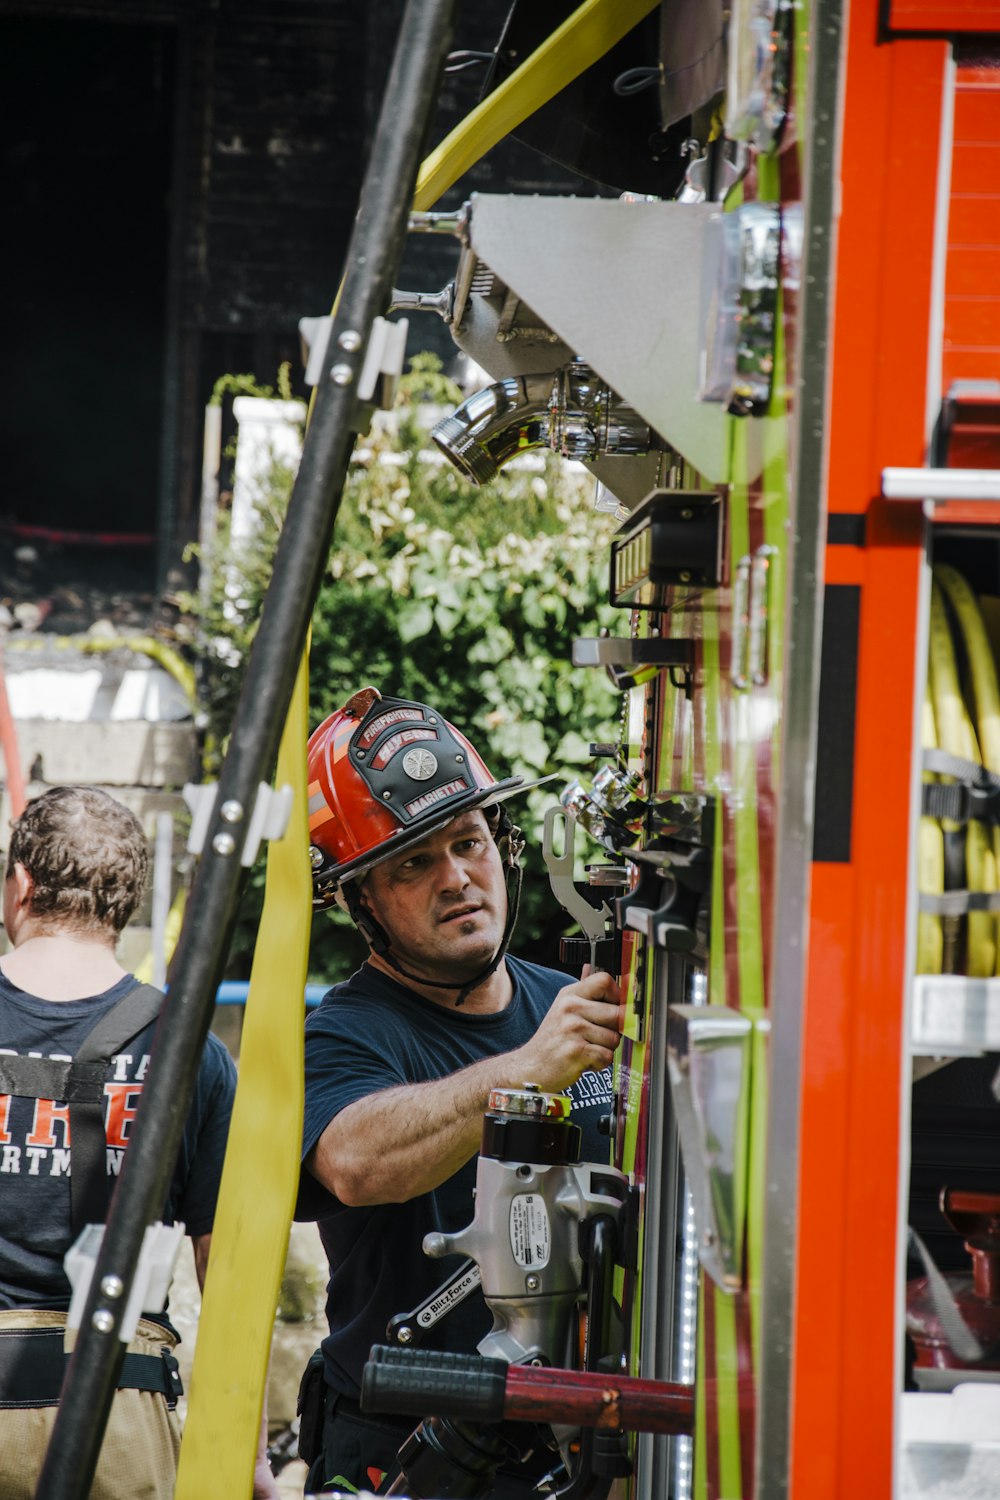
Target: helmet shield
[383, 773]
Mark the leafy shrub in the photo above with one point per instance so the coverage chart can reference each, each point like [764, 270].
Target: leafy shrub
[435, 590]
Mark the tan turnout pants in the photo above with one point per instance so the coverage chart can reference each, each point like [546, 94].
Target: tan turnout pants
[139, 1455]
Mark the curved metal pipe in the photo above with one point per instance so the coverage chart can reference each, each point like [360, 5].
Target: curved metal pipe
[572, 412]
[494, 425]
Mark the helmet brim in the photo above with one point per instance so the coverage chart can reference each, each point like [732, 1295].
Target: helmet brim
[397, 843]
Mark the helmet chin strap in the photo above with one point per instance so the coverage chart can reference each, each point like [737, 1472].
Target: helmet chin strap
[510, 843]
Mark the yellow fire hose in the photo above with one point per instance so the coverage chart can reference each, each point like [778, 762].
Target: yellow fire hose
[261, 1171]
[583, 37]
[971, 731]
[259, 1182]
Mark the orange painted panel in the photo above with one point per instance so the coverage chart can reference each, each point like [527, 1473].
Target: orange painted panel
[974, 322]
[968, 513]
[931, 15]
[972, 75]
[844, 565]
[821, 1288]
[976, 167]
[975, 220]
[971, 268]
[962, 364]
[971, 346]
[976, 114]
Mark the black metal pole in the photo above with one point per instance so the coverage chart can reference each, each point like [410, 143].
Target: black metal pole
[373, 256]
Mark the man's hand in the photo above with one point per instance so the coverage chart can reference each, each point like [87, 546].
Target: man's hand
[579, 1034]
[265, 1486]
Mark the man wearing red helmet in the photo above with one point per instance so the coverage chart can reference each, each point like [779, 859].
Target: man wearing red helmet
[410, 834]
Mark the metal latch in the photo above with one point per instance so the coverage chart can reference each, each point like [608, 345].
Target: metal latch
[594, 921]
[751, 614]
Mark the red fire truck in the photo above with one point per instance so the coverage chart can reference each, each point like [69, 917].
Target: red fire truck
[788, 374]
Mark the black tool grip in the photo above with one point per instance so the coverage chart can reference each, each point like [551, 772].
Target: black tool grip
[574, 952]
[428, 1382]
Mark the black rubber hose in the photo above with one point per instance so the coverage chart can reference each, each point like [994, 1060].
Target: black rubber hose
[372, 262]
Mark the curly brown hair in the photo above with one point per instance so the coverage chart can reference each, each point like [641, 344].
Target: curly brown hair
[86, 854]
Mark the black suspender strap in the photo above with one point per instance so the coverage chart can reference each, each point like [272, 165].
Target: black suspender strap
[88, 1156]
[80, 1084]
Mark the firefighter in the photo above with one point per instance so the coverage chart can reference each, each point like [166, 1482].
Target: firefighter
[76, 872]
[410, 834]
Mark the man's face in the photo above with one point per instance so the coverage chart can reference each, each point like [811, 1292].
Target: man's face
[443, 903]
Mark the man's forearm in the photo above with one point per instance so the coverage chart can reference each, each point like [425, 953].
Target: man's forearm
[397, 1144]
[401, 1142]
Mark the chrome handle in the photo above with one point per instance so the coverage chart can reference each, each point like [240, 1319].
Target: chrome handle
[760, 598]
[739, 666]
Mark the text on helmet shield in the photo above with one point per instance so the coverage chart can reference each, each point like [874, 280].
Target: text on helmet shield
[370, 733]
[435, 795]
[384, 753]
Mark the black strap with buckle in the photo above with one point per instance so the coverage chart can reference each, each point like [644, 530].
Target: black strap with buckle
[80, 1084]
[33, 1363]
[974, 794]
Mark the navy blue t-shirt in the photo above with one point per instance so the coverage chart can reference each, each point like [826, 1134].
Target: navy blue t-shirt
[35, 1222]
[372, 1033]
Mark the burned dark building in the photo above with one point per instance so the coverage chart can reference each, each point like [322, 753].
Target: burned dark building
[180, 179]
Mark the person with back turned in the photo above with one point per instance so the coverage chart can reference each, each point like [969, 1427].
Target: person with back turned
[76, 872]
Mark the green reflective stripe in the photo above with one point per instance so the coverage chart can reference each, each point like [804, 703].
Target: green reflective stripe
[700, 1486]
[756, 1178]
[632, 1102]
[776, 514]
[712, 666]
[727, 1391]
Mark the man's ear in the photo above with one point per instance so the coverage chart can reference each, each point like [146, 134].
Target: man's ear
[363, 908]
[24, 884]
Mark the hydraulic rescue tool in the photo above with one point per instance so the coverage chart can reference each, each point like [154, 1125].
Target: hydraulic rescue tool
[547, 1233]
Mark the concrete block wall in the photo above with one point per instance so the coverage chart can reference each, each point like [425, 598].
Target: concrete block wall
[113, 719]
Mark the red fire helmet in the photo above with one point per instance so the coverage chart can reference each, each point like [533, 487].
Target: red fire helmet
[383, 773]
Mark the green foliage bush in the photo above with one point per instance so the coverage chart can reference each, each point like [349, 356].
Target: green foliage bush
[465, 598]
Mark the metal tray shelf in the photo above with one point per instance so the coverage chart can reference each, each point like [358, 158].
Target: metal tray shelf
[954, 1016]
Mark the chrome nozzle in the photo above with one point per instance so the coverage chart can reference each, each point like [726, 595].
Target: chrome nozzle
[572, 412]
[493, 426]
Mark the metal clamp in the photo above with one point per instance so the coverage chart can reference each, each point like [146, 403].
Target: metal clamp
[593, 920]
[122, 1305]
[272, 809]
[631, 661]
[381, 367]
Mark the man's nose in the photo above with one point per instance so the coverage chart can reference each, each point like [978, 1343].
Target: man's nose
[453, 874]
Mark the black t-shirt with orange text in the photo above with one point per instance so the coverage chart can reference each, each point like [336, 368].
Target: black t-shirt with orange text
[35, 1158]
